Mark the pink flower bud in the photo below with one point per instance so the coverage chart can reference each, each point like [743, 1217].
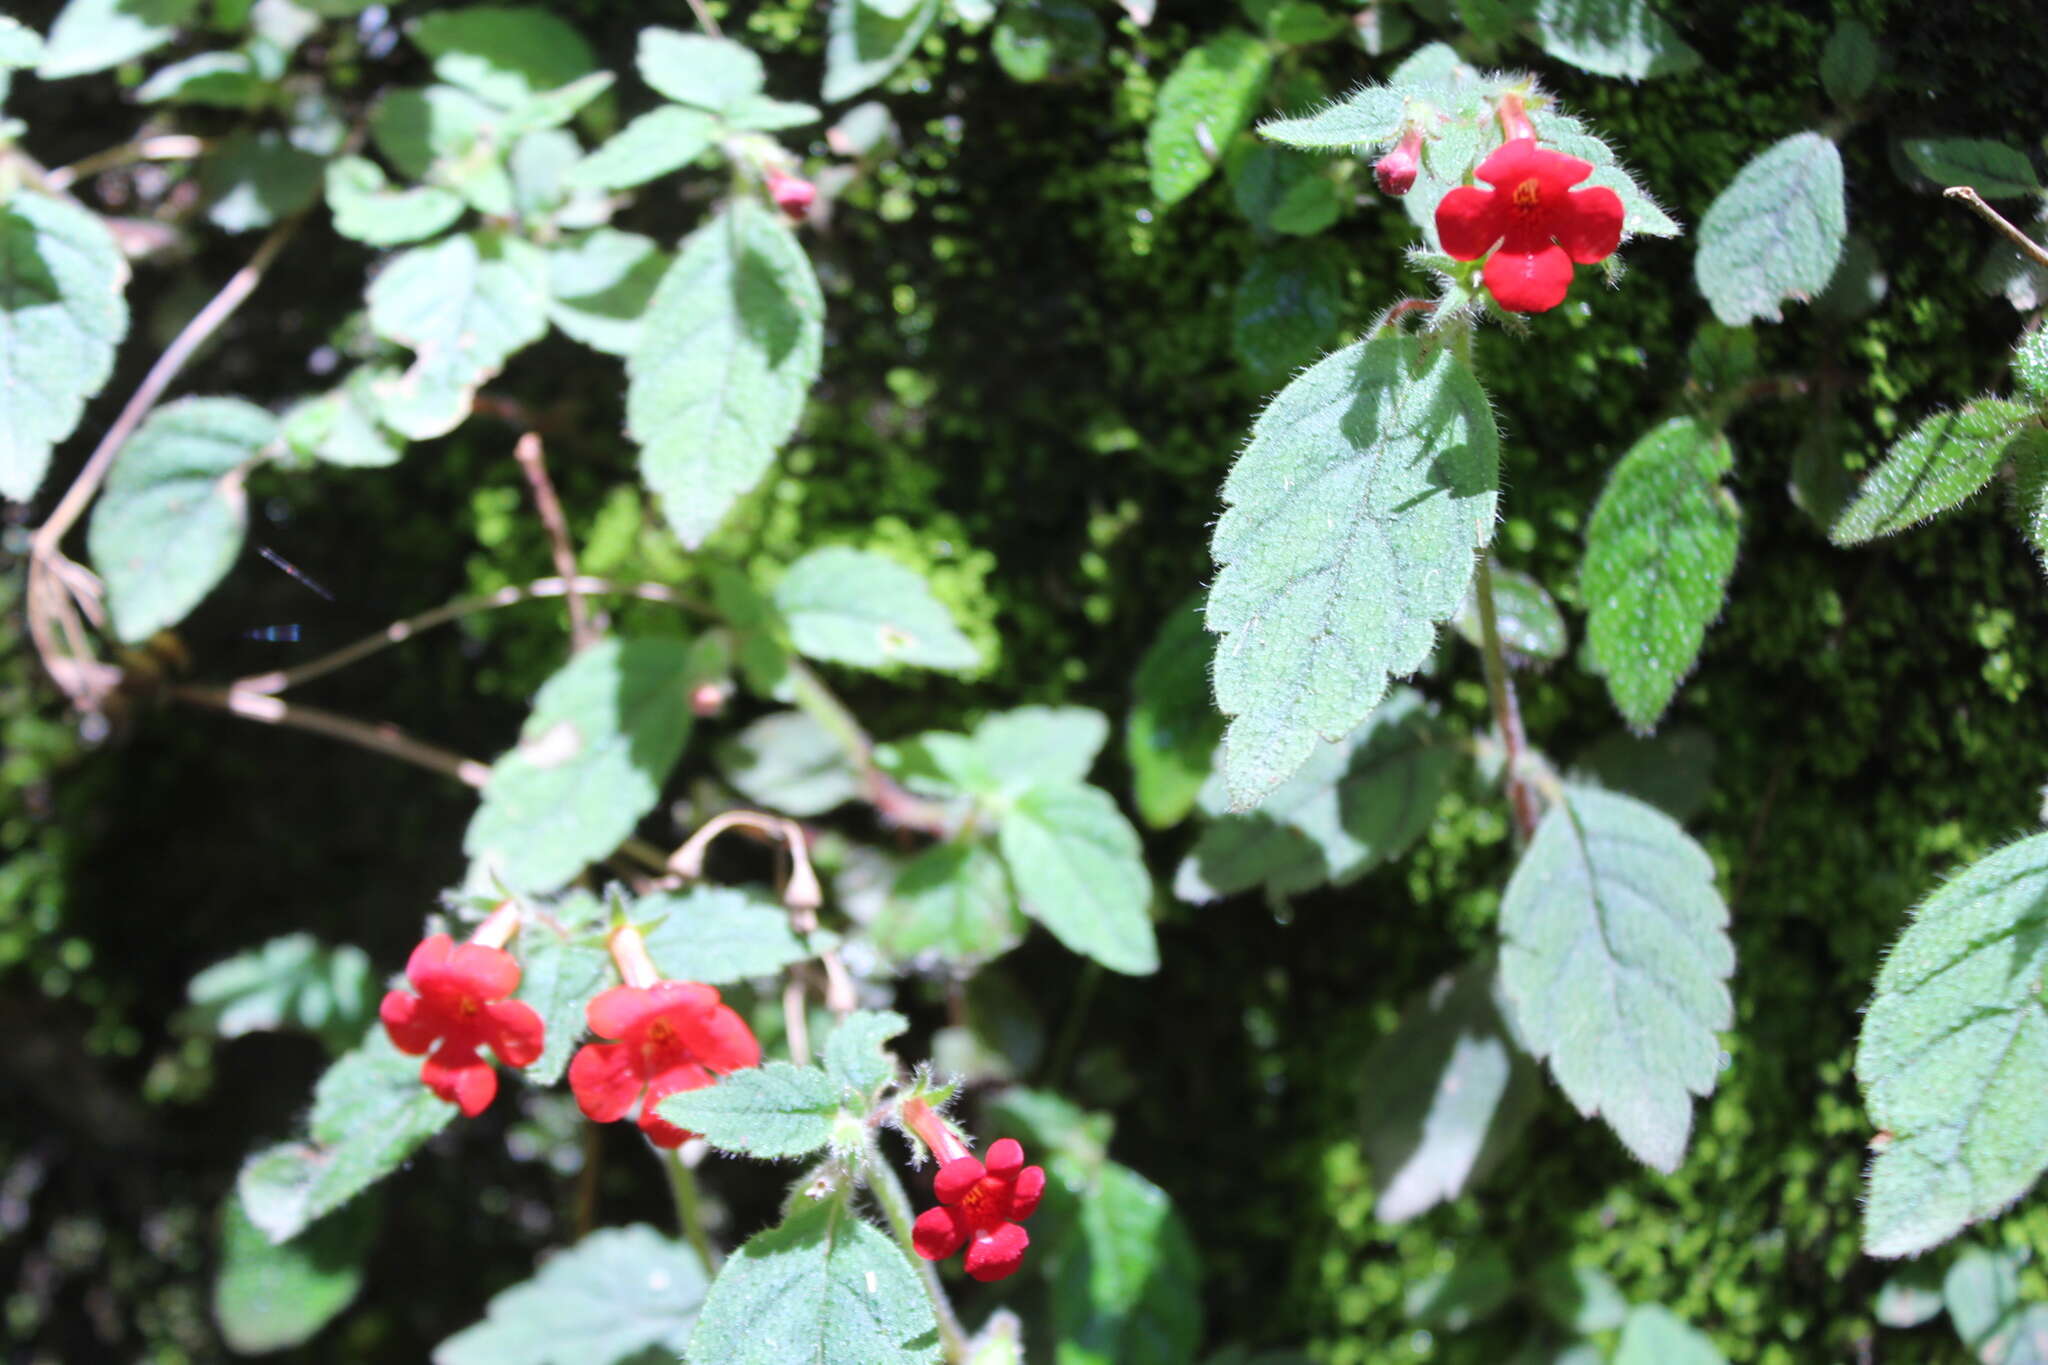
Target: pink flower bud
[1396, 171]
[793, 194]
[709, 698]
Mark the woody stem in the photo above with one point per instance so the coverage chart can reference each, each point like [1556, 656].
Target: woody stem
[895, 1204]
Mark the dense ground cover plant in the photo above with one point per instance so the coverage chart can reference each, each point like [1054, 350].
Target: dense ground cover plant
[792, 941]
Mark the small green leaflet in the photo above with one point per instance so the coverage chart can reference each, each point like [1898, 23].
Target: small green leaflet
[341, 428]
[728, 348]
[266, 1297]
[953, 899]
[717, 934]
[1366, 120]
[1032, 746]
[1615, 957]
[1993, 169]
[1288, 306]
[862, 608]
[1641, 214]
[657, 142]
[1624, 38]
[1529, 622]
[605, 731]
[464, 305]
[1659, 550]
[1449, 1093]
[93, 35]
[1282, 191]
[1079, 868]
[253, 180]
[1654, 1335]
[560, 972]
[505, 54]
[1982, 1294]
[368, 210]
[599, 285]
[1775, 233]
[370, 1113]
[293, 982]
[1171, 733]
[61, 316]
[1471, 1290]
[791, 764]
[1910, 1297]
[856, 1055]
[1354, 516]
[171, 521]
[1126, 1290]
[1203, 106]
[772, 1110]
[710, 73]
[1936, 466]
[1355, 805]
[864, 42]
[615, 1297]
[1952, 1053]
[1848, 64]
[821, 1289]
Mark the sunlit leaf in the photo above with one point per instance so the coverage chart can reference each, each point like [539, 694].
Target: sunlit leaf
[614, 1296]
[1207, 101]
[267, 1297]
[1775, 233]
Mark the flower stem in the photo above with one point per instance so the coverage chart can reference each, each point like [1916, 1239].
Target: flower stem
[895, 1204]
[682, 1184]
[1506, 713]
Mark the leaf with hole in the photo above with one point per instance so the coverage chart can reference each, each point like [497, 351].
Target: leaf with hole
[1775, 233]
[464, 306]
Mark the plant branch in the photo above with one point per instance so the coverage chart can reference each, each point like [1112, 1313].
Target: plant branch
[1506, 713]
[704, 18]
[682, 1185]
[895, 1206]
[1974, 201]
[168, 147]
[533, 462]
[380, 738]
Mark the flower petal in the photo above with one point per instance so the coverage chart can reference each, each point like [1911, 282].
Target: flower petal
[1531, 283]
[429, 957]
[618, 1011]
[997, 1255]
[1469, 221]
[411, 1023]
[721, 1040]
[462, 1078]
[1005, 1158]
[659, 1130]
[515, 1032]
[937, 1233]
[1025, 1193]
[486, 973]
[604, 1081]
[1590, 227]
[956, 1178]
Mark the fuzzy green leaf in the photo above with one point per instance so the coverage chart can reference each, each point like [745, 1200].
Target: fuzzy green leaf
[509, 55]
[856, 1056]
[1207, 101]
[1615, 958]
[709, 73]
[1659, 549]
[464, 306]
[718, 934]
[1287, 307]
[1654, 1335]
[1283, 191]
[61, 316]
[1953, 1049]
[267, 1297]
[1047, 40]
[772, 1110]
[341, 427]
[559, 974]
[1366, 120]
[1040, 745]
[657, 142]
[93, 35]
[1171, 734]
[1529, 622]
[1775, 233]
[292, 982]
[791, 764]
[1355, 805]
[1848, 64]
[615, 1298]
[1126, 1290]
[604, 733]
[862, 608]
[1910, 1297]
[953, 899]
[1993, 169]
[865, 42]
[1450, 1093]
[1624, 38]
[728, 348]
[1936, 466]
[1672, 769]
[1354, 515]
[1080, 871]
[2029, 452]
[821, 1289]
[599, 285]
[171, 521]
[368, 210]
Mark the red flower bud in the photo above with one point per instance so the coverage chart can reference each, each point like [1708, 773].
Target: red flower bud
[793, 194]
[1396, 171]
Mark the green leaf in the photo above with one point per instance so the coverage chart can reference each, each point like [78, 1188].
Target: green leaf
[790, 764]
[1080, 872]
[1775, 233]
[464, 306]
[170, 523]
[1982, 1294]
[728, 348]
[1672, 770]
[652, 145]
[61, 316]
[616, 1297]
[1288, 306]
[953, 899]
[1365, 121]
[823, 1287]
[772, 1110]
[1032, 746]
[1207, 101]
[1171, 733]
[862, 608]
[1993, 169]
[1848, 64]
[1615, 957]
[1910, 1297]
[253, 180]
[221, 80]
[1529, 622]
[341, 428]
[2029, 452]
[599, 285]
[718, 934]
[416, 129]
[21, 47]
[1653, 1335]
[266, 1298]
[556, 107]
[1659, 550]
[1953, 1048]
[368, 210]
[1473, 1289]
[560, 972]
[856, 1057]
[709, 73]
[1624, 38]
[1579, 1298]
[1450, 1094]
[1641, 214]
[370, 1113]
[1356, 804]
[1126, 1289]
[1353, 518]
[1047, 40]
[605, 731]
[864, 42]
[507, 55]
[1936, 466]
[290, 982]
[1283, 191]
[762, 114]
[93, 35]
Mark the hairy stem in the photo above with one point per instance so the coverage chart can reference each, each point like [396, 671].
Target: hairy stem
[533, 463]
[895, 1205]
[1506, 713]
[682, 1185]
[380, 738]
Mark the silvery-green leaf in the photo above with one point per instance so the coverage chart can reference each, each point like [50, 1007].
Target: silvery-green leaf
[417, 128]
[1775, 233]
[464, 306]
[1366, 120]
[1654, 1335]
[268, 1297]
[341, 428]
[368, 210]
[1910, 1297]
[506, 54]
[652, 145]
[865, 42]
[1993, 169]
[1034, 745]
[1079, 868]
[1207, 101]
[771, 1111]
[599, 285]
[765, 115]
[1933, 468]
[791, 764]
[1624, 38]
[561, 970]
[93, 35]
[1641, 214]
[717, 934]
[955, 900]
[291, 982]
[691, 68]
[618, 1297]
[862, 608]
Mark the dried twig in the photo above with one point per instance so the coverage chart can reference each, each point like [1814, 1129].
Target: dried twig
[533, 461]
[1975, 202]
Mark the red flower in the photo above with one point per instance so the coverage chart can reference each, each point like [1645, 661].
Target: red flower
[1541, 223]
[461, 1006]
[672, 1036]
[981, 1206]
